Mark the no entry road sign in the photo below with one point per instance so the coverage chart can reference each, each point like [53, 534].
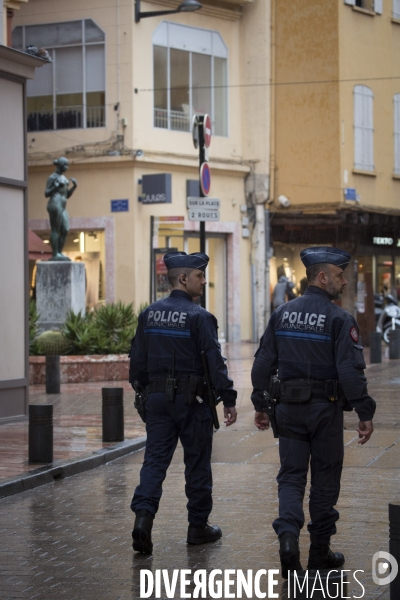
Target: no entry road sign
[207, 130]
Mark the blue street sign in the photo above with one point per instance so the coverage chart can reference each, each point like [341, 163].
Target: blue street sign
[350, 193]
[120, 205]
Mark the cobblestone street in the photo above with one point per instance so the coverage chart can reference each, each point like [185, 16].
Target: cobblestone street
[72, 538]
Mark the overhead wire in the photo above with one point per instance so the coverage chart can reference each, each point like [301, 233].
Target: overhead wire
[271, 84]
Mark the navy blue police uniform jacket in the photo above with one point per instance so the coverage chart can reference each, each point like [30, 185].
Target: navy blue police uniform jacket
[171, 333]
[310, 337]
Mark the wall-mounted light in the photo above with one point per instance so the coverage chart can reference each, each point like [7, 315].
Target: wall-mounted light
[185, 6]
[46, 241]
[81, 242]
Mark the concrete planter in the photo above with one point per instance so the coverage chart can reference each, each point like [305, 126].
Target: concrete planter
[76, 369]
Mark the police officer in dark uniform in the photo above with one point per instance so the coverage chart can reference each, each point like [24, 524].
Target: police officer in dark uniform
[165, 361]
[312, 345]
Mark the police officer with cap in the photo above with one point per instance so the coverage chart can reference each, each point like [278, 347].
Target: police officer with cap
[312, 346]
[165, 360]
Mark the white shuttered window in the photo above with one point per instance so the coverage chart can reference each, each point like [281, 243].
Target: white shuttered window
[396, 111]
[363, 128]
[95, 69]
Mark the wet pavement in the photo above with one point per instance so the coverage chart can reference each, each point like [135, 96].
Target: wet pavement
[71, 538]
[77, 425]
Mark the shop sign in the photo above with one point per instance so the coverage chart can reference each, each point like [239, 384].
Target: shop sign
[383, 241]
[156, 189]
[120, 205]
[169, 219]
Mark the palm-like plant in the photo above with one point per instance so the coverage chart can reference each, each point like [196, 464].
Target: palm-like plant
[81, 333]
[116, 325]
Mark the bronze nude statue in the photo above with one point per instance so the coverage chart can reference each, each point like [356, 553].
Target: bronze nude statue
[58, 193]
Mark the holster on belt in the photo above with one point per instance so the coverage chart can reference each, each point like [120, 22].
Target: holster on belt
[195, 388]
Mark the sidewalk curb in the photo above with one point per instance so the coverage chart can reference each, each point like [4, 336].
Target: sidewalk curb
[60, 469]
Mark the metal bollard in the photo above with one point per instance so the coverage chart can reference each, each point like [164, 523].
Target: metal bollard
[113, 414]
[52, 374]
[394, 545]
[41, 433]
[375, 346]
[394, 343]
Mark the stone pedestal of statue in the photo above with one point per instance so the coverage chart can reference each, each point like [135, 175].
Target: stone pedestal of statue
[60, 287]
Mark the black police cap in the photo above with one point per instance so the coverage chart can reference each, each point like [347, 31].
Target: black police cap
[197, 260]
[325, 254]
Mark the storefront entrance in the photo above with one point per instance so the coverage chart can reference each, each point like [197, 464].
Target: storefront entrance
[169, 234]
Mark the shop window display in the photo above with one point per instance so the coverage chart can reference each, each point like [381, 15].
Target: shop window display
[87, 247]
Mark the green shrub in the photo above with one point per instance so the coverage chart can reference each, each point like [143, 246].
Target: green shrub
[107, 330]
[80, 333]
[116, 325]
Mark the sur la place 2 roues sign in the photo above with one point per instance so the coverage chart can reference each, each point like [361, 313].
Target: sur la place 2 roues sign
[203, 208]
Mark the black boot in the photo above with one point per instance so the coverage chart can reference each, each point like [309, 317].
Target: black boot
[203, 535]
[322, 557]
[289, 553]
[141, 533]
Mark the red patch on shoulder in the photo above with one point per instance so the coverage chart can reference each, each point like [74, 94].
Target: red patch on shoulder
[354, 334]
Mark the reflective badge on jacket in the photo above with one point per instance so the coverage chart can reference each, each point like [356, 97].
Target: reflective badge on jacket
[354, 334]
[310, 326]
[166, 322]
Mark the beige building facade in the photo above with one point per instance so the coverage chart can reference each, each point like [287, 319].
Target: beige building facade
[118, 101]
[15, 69]
[335, 136]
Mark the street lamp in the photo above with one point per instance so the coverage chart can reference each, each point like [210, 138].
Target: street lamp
[185, 6]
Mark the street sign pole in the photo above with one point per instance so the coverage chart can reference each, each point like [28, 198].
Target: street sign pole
[202, 159]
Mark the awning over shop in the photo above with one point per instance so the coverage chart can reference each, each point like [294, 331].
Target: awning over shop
[37, 249]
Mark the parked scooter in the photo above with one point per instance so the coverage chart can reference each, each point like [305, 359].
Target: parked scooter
[389, 317]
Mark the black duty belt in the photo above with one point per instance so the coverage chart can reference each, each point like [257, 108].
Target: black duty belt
[191, 388]
[308, 391]
[313, 400]
[155, 387]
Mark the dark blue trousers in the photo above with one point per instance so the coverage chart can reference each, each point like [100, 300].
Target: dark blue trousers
[166, 423]
[324, 454]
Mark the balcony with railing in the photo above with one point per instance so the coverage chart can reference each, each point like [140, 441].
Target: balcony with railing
[173, 119]
[67, 117]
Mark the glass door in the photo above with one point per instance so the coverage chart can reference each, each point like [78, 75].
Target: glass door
[216, 294]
